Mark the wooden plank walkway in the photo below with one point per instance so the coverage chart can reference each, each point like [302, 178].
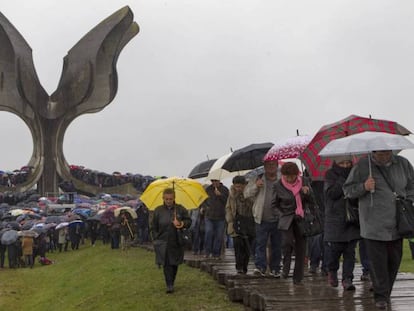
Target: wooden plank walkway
[269, 293]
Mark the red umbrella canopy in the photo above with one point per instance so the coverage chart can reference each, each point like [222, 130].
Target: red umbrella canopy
[317, 166]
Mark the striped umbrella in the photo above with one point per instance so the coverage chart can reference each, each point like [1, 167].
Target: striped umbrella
[317, 166]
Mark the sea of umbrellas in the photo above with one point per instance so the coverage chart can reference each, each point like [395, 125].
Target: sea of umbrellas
[34, 215]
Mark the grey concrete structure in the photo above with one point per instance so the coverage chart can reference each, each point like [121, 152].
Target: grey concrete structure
[88, 83]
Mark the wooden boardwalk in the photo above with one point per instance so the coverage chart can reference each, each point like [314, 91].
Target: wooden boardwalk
[269, 293]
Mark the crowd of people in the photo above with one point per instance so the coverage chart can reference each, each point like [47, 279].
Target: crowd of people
[273, 204]
[41, 233]
[262, 218]
[10, 179]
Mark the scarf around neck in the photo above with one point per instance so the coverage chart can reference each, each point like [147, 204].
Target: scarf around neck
[295, 189]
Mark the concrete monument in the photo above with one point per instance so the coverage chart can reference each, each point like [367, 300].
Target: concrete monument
[88, 83]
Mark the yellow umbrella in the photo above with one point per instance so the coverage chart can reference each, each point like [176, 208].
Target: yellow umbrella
[188, 192]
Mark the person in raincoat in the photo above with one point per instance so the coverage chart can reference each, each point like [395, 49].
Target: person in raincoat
[238, 206]
[27, 249]
[289, 198]
[341, 238]
[126, 230]
[369, 181]
[63, 238]
[167, 219]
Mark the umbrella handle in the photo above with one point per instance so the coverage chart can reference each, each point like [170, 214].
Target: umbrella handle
[181, 224]
[130, 230]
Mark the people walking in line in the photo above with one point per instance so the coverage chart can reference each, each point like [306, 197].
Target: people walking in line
[240, 223]
[260, 189]
[215, 218]
[371, 181]
[289, 196]
[341, 237]
[167, 219]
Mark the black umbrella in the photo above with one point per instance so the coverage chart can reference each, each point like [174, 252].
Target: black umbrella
[9, 237]
[201, 169]
[247, 158]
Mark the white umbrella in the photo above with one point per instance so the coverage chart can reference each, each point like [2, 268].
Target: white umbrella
[365, 142]
[217, 172]
[62, 225]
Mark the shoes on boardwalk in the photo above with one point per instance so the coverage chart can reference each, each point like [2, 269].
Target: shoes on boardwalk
[297, 282]
[381, 304]
[170, 289]
[347, 284]
[333, 278]
[275, 274]
[365, 277]
[258, 271]
[285, 275]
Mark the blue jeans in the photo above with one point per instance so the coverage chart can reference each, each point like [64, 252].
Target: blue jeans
[214, 236]
[264, 231]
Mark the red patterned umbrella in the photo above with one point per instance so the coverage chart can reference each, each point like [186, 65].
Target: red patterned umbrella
[317, 166]
[289, 148]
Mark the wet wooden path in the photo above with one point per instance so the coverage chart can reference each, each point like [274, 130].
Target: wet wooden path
[269, 293]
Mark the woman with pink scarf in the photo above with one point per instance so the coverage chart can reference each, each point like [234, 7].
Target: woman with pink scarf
[289, 196]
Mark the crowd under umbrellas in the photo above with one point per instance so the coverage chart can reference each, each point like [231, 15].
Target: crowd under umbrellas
[44, 219]
[302, 149]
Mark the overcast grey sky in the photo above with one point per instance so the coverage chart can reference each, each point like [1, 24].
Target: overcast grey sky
[202, 77]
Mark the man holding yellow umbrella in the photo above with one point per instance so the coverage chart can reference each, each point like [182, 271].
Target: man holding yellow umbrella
[170, 216]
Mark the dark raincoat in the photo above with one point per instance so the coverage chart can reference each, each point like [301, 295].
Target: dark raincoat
[336, 229]
[165, 234]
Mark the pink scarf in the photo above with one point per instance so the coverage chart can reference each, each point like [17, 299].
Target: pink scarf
[295, 189]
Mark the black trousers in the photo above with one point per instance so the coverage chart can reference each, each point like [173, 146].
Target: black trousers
[242, 251]
[294, 240]
[170, 272]
[385, 259]
[347, 251]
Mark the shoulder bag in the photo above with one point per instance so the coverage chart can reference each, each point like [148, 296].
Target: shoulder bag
[404, 212]
[244, 225]
[312, 223]
[351, 214]
[183, 234]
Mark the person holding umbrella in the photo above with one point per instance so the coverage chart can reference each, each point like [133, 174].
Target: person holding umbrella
[168, 218]
[289, 197]
[260, 189]
[215, 218]
[240, 223]
[370, 184]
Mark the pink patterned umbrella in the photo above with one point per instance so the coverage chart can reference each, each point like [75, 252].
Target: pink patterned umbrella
[290, 148]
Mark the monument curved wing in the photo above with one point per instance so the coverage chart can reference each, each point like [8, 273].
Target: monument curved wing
[20, 89]
[89, 78]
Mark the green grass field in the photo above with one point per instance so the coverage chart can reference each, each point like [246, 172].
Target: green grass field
[99, 278]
